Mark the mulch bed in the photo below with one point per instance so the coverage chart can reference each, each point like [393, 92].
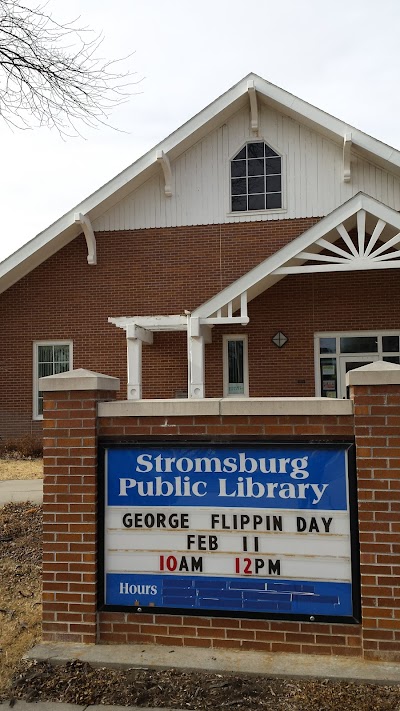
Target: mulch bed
[77, 682]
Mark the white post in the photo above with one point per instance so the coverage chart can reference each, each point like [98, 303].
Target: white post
[134, 353]
[196, 367]
[196, 359]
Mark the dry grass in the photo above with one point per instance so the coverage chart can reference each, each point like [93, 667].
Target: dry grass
[20, 618]
[21, 469]
[20, 585]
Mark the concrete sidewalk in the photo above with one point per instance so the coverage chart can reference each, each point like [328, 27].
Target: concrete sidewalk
[149, 656]
[17, 490]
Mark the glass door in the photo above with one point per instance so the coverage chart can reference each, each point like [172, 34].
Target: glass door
[337, 353]
[347, 363]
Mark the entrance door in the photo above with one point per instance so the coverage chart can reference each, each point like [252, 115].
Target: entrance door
[348, 363]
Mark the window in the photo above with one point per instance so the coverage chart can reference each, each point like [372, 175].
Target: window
[49, 358]
[338, 353]
[256, 178]
[236, 376]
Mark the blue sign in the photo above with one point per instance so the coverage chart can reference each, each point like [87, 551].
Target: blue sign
[245, 528]
[289, 477]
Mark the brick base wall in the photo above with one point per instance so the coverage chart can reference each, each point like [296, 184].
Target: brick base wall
[229, 426]
[70, 516]
[377, 431]
[230, 633]
[70, 606]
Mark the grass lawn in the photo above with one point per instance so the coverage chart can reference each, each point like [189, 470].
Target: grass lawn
[21, 469]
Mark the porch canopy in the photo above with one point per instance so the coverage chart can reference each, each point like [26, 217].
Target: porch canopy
[361, 234]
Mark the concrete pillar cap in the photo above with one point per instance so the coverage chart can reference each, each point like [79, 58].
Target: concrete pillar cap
[377, 373]
[78, 379]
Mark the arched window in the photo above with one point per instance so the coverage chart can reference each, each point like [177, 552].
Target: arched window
[256, 178]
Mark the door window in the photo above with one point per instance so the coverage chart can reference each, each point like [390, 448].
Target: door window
[236, 376]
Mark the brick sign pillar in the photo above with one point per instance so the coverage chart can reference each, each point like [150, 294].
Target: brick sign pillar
[375, 389]
[70, 503]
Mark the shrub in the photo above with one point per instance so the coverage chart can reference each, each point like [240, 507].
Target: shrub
[26, 447]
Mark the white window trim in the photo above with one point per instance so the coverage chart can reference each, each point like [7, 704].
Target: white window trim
[344, 334]
[236, 337]
[35, 391]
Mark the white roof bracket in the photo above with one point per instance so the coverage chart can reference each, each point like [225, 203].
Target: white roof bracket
[163, 159]
[90, 238]
[347, 144]
[251, 90]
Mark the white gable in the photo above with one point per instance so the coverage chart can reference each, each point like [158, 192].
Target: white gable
[199, 151]
[313, 182]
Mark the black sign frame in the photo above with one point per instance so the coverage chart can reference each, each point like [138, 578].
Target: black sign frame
[127, 442]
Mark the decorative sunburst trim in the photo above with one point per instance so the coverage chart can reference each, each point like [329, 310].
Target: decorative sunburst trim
[357, 254]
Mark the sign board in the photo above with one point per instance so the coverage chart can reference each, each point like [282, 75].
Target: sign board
[239, 529]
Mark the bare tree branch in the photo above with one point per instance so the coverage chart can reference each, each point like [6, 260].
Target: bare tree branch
[51, 74]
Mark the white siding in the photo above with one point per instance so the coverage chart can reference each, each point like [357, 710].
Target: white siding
[312, 181]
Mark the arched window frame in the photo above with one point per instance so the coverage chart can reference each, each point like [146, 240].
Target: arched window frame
[247, 210]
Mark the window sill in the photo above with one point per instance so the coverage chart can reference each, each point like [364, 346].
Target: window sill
[246, 213]
[229, 396]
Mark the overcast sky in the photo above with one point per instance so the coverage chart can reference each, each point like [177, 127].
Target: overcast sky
[342, 56]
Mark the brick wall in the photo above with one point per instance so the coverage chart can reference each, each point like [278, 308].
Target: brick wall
[177, 269]
[70, 516]
[230, 633]
[261, 426]
[377, 431]
[162, 271]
